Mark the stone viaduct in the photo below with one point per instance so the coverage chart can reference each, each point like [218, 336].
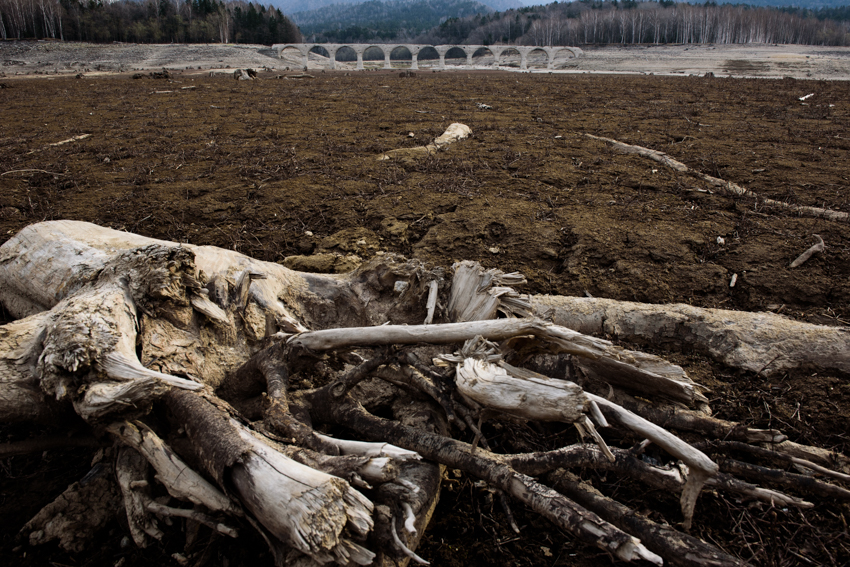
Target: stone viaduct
[387, 49]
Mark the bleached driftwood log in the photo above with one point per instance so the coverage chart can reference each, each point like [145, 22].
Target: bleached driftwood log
[764, 343]
[114, 324]
[454, 133]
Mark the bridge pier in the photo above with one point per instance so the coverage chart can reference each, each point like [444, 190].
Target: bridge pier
[414, 56]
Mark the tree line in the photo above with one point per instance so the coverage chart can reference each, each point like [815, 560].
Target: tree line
[146, 21]
[567, 23]
[632, 22]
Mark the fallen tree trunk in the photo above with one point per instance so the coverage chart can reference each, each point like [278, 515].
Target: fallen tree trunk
[764, 343]
[117, 325]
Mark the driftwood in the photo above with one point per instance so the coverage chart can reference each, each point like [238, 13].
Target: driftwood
[728, 187]
[111, 325]
[764, 343]
[454, 133]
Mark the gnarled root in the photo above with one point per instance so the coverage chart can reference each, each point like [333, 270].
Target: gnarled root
[218, 331]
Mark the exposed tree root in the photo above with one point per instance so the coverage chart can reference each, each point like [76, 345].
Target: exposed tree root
[238, 405]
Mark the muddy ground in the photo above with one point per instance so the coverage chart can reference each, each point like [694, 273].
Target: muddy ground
[286, 170]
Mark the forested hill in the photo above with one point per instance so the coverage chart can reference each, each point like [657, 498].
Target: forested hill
[147, 21]
[382, 20]
[808, 4]
[631, 22]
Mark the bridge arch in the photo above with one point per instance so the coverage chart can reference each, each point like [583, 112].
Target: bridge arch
[532, 57]
[455, 53]
[375, 52]
[301, 48]
[555, 51]
[483, 53]
[509, 56]
[400, 53]
[427, 53]
[343, 54]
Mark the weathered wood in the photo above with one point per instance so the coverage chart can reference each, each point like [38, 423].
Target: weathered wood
[200, 315]
[726, 186]
[532, 397]
[646, 372]
[764, 343]
[580, 522]
[814, 249]
[301, 506]
[478, 294]
[76, 514]
[679, 549]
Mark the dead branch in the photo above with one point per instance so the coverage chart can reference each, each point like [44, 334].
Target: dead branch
[679, 549]
[802, 258]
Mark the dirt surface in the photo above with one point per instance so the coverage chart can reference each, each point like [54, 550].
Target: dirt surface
[286, 170]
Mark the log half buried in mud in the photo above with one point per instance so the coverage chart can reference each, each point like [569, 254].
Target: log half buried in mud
[726, 186]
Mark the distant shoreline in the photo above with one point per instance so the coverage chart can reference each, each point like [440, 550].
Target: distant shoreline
[51, 58]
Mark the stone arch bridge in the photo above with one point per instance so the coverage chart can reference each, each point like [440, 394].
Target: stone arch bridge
[388, 49]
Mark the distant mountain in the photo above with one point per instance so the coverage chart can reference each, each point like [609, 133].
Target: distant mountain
[377, 20]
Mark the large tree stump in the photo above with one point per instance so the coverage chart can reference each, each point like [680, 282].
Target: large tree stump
[187, 357]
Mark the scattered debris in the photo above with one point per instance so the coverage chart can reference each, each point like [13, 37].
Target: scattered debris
[734, 280]
[802, 98]
[482, 106]
[164, 74]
